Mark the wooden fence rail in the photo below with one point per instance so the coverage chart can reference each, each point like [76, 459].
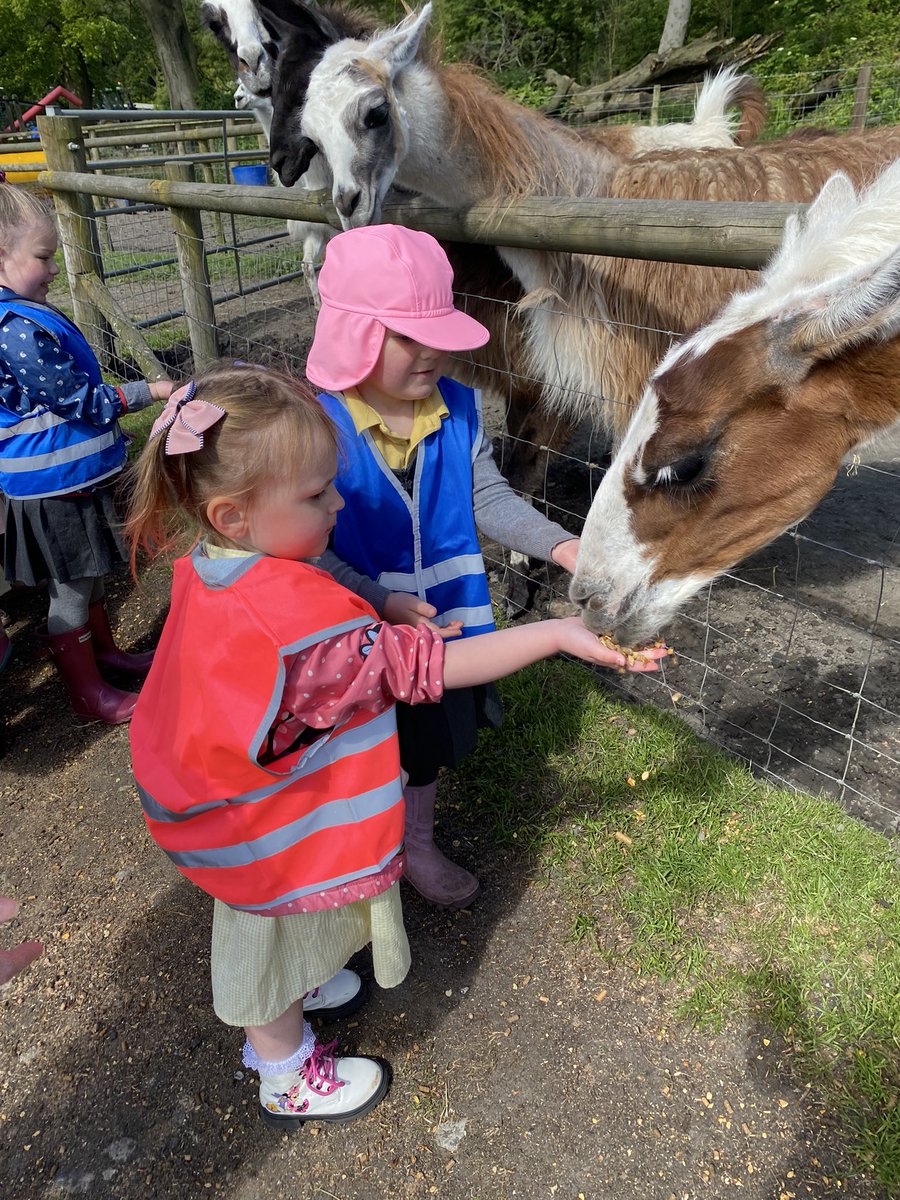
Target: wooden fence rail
[708, 233]
[705, 232]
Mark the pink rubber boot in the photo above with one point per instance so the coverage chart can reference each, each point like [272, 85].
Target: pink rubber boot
[430, 872]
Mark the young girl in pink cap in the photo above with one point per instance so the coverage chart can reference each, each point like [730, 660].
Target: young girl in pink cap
[264, 742]
[419, 482]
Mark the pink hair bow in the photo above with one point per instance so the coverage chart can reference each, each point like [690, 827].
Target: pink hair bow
[186, 420]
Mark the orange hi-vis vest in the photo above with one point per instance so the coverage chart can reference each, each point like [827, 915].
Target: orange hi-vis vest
[259, 837]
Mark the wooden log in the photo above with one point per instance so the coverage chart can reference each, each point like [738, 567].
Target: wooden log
[199, 309]
[628, 92]
[706, 232]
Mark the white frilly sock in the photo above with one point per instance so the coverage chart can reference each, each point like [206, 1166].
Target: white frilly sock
[253, 1062]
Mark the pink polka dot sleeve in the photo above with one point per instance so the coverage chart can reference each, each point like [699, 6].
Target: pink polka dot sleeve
[366, 668]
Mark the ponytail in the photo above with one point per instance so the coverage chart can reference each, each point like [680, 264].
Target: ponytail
[273, 423]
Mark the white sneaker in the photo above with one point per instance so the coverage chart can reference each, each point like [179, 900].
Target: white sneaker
[339, 997]
[325, 1088]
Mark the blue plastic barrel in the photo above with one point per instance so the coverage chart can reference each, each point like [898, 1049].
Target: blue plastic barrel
[257, 174]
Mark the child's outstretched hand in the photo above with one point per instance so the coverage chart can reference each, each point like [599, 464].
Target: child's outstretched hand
[15, 960]
[577, 639]
[401, 608]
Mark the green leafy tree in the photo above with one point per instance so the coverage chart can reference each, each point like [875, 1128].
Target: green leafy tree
[82, 44]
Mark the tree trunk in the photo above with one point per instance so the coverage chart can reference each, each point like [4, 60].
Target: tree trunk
[174, 49]
[675, 29]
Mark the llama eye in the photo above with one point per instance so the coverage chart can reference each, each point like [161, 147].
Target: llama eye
[376, 116]
[684, 471]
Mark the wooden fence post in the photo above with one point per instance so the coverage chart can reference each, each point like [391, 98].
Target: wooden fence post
[654, 106]
[209, 176]
[195, 288]
[63, 144]
[861, 96]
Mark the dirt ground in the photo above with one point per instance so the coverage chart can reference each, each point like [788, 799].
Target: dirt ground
[523, 1067]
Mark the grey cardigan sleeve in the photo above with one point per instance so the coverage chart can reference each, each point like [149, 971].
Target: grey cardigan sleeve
[503, 516]
[137, 395]
[353, 581]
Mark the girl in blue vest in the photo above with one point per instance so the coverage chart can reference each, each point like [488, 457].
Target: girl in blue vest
[264, 743]
[61, 453]
[419, 483]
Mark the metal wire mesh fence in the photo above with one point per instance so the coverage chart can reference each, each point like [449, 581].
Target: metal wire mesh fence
[843, 98]
[789, 661]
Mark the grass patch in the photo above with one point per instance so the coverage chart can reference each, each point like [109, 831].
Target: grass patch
[137, 425]
[748, 898]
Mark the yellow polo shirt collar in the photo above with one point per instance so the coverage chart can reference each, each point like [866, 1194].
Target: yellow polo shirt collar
[397, 451]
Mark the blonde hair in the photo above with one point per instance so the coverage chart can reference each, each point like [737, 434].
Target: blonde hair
[272, 427]
[19, 209]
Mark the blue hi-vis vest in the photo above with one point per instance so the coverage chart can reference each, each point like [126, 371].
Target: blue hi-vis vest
[425, 544]
[43, 454]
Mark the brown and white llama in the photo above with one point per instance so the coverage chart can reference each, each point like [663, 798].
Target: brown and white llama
[284, 40]
[383, 115]
[742, 428]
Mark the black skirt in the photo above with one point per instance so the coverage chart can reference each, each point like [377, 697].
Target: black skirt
[441, 735]
[63, 537]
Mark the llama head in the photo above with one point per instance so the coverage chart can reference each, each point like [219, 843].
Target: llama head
[742, 428]
[353, 116]
[298, 36]
[236, 25]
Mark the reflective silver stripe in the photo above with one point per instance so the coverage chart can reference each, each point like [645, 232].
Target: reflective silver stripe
[479, 432]
[91, 483]
[340, 744]
[336, 881]
[482, 615]
[275, 705]
[442, 572]
[38, 462]
[334, 815]
[156, 812]
[35, 422]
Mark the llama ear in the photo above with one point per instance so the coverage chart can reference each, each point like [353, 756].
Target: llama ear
[807, 232]
[398, 47]
[215, 19]
[284, 19]
[855, 309]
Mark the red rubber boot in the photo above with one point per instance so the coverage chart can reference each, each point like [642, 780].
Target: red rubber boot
[106, 652]
[91, 698]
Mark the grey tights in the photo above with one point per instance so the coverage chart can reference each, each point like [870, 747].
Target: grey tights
[69, 603]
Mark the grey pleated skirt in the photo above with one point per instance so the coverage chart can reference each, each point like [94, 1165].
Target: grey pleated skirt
[63, 538]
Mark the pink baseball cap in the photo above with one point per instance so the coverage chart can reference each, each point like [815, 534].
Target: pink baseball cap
[382, 277]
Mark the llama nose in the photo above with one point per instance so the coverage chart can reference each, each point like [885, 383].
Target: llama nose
[278, 161]
[346, 201]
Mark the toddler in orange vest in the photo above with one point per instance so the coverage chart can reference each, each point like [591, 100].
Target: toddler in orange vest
[264, 741]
